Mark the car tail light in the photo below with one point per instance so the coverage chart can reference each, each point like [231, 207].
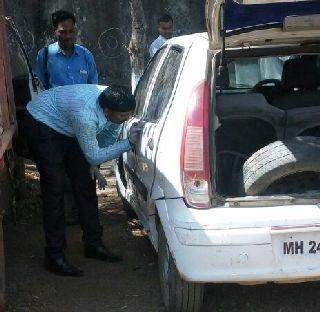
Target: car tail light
[195, 168]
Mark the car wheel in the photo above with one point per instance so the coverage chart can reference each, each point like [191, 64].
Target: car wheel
[297, 183]
[278, 165]
[177, 294]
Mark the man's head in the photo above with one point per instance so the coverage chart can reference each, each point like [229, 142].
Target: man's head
[118, 103]
[165, 26]
[64, 24]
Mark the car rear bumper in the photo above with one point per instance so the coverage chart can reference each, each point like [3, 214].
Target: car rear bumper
[243, 245]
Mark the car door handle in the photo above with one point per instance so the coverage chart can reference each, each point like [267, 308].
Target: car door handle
[151, 144]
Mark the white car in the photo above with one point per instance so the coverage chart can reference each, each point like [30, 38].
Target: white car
[225, 178]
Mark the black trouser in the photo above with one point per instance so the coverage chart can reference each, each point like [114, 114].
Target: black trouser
[57, 155]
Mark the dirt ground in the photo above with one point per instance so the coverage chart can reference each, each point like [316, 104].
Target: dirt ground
[130, 286]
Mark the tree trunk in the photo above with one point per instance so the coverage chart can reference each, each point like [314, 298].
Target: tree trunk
[137, 47]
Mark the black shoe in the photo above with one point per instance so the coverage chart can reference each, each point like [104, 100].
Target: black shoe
[101, 253]
[60, 266]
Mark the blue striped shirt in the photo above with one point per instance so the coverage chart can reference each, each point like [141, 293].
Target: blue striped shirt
[74, 111]
[77, 68]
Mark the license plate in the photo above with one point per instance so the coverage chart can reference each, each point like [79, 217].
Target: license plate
[290, 247]
[300, 247]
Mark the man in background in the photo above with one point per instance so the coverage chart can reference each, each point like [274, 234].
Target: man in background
[165, 29]
[64, 62]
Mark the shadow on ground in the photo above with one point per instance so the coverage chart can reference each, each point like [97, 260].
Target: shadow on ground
[130, 286]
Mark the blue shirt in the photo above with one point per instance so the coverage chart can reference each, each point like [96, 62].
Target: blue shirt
[74, 111]
[64, 70]
[156, 45]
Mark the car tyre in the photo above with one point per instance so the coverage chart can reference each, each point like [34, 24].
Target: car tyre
[178, 295]
[278, 160]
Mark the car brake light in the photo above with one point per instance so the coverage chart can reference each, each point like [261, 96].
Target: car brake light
[194, 161]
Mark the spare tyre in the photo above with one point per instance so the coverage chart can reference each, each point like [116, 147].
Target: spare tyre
[299, 156]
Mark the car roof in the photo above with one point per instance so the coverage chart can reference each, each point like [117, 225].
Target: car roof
[187, 40]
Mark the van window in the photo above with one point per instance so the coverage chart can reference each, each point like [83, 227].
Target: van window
[145, 81]
[164, 84]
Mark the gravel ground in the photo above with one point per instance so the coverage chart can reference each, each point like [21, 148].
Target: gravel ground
[132, 285]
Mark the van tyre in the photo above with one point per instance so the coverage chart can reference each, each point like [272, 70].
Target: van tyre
[177, 294]
[279, 160]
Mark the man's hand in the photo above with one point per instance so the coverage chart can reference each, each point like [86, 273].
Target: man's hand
[96, 175]
[135, 130]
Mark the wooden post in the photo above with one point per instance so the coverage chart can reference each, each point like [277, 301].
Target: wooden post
[137, 47]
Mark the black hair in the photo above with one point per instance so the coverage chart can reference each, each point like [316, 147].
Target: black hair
[165, 18]
[117, 98]
[61, 16]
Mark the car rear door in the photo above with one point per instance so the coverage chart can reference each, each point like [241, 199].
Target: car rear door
[239, 23]
[127, 163]
[153, 112]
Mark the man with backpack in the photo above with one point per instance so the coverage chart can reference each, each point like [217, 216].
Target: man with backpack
[64, 62]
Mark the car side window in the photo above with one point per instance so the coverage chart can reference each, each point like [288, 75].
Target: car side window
[144, 83]
[164, 84]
